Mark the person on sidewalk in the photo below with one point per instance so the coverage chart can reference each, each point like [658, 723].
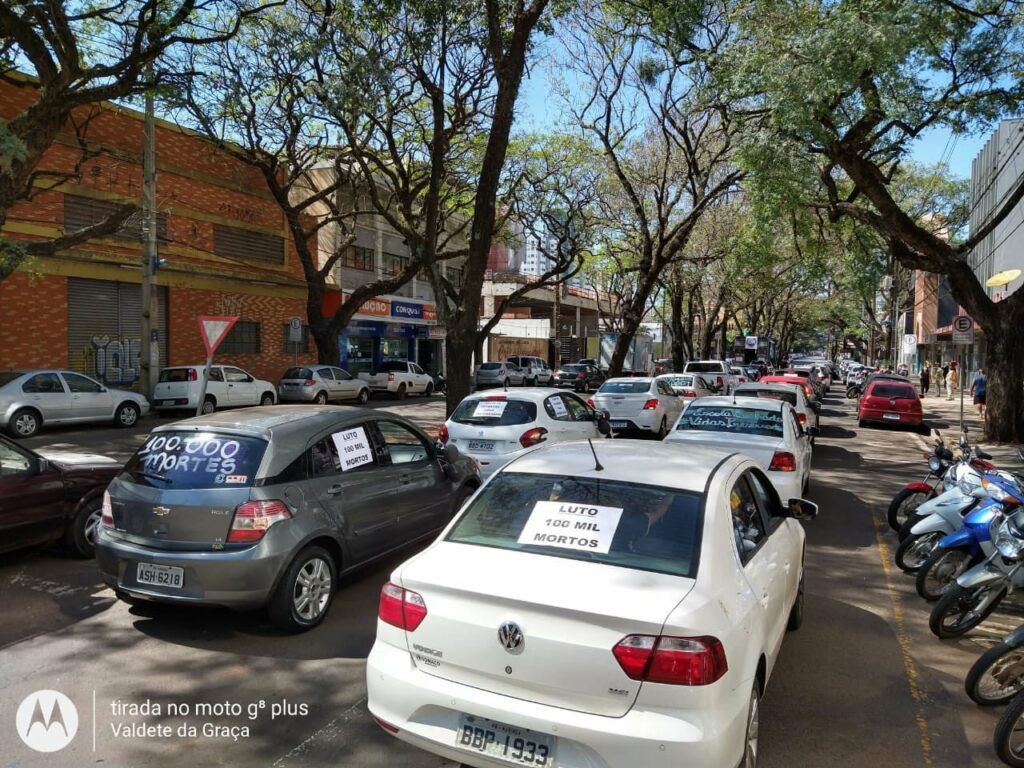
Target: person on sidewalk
[978, 390]
[942, 381]
[952, 380]
[926, 380]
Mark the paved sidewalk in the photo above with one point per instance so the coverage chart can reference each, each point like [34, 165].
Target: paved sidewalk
[943, 415]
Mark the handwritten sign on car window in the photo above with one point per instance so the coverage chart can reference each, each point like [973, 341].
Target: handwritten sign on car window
[199, 453]
[489, 409]
[566, 525]
[743, 420]
[353, 448]
[558, 407]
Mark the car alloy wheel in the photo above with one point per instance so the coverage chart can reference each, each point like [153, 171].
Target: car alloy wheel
[312, 589]
[364, 396]
[267, 399]
[321, 398]
[209, 406]
[753, 727]
[127, 414]
[26, 424]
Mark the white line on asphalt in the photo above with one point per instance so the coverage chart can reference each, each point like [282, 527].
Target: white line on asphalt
[330, 729]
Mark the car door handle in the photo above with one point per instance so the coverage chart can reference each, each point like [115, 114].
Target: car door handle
[335, 489]
[404, 479]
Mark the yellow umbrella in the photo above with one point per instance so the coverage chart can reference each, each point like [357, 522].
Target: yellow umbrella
[1003, 278]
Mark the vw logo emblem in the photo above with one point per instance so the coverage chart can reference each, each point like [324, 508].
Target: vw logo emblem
[511, 637]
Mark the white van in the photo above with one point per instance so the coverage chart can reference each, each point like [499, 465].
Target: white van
[536, 370]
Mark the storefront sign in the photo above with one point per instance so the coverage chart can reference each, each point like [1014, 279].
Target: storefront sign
[406, 310]
[376, 307]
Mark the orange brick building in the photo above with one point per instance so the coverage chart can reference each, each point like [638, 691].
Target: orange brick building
[228, 249]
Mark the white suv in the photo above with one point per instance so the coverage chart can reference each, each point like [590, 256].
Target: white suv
[716, 372]
[229, 387]
[536, 370]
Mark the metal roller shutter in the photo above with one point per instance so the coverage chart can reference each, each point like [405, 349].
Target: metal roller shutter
[104, 329]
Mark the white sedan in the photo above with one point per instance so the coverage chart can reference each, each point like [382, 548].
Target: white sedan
[768, 431]
[595, 606]
[494, 429]
[639, 404]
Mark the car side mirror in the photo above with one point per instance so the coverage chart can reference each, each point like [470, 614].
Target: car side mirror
[42, 465]
[249, 379]
[450, 453]
[802, 509]
[603, 425]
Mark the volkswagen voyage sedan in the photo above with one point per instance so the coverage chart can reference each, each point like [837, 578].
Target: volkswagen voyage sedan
[268, 506]
[600, 607]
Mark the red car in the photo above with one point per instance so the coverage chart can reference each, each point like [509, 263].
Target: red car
[892, 402]
[51, 499]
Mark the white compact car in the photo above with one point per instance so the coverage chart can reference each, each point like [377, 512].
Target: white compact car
[494, 429]
[598, 606]
[806, 411]
[229, 387]
[639, 405]
[767, 431]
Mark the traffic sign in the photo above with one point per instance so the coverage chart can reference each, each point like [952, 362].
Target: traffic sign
[213, 329]
[295, 329]
[962, 323]
[750, 342]
[963, 337]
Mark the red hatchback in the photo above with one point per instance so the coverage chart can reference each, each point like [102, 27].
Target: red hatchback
[892, 402]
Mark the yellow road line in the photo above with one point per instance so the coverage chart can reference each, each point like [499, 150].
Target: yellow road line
[903, 638]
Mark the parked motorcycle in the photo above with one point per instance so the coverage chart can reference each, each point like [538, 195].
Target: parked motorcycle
[1008, 737]
[956, 552]
[440, 386]
[998, 674]
[914, 495]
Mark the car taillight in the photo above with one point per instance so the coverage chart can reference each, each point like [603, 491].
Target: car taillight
[689, 393]
[783, 461]
[533, 437]
[590, 402]
[401, 608]
[391, 377]
[651, 405]
[500, 398]
[501, 372]
[442, 433]
[253, 519]
[802, 418]
[720, 381]
[309, 383]
[581, 375]
[193, 374]
[671, 660]
[107, 513]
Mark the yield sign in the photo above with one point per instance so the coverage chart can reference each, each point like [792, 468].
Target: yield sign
[213, 329]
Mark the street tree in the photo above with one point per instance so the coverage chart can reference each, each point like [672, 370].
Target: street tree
[68, 57]
[846, 88]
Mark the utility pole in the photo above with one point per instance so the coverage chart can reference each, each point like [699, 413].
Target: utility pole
[149, 245]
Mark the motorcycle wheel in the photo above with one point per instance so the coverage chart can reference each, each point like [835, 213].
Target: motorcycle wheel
[907, 527]
[851, 393]
[1008, 737]
[954, 614]
[997, 676]
[914, 550]
[904, 504]
[941, 569]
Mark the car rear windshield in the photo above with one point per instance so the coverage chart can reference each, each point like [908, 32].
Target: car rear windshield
[174, 374]
[722, 418]
[573, 368]
[495, 413]
[679, 381]
[6, 377]
[491, 366]
[298, 373]
[193, 460]
[894, 391]
[394, 366]
[704, 367]
[617, 523]
[624, 387]
[767, 394]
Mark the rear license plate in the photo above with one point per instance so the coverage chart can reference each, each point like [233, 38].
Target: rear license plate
[619, 424]
[894, 416]
[160, 575]
[481, 445]
[518, 746]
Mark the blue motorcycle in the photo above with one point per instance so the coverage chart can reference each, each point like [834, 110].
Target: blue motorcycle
[956, 552]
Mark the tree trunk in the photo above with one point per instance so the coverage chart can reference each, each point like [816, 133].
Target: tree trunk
[630, 323]
[459, 361]
[678, 331]
[1004, 366]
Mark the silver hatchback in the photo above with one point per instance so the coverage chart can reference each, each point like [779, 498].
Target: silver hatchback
[268, 506]
[506, 374]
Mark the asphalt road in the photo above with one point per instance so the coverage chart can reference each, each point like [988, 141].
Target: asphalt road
[863, 684]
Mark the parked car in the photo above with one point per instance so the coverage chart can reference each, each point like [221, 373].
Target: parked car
[810, 391]
[663, 365]
[229, 387]
[688, 385]
[807, 411]
[582, 377]
[268, 507]
[767, 431]
[644, 634]
[494, 429]
[500, 374]
[740, 374]
[891, 401]
[536, 371]
[752, 372]
[718, 372]
[399, 378]
[639, 405]
[321, 384]
[30, 399]
[51, 496]
[587, 361]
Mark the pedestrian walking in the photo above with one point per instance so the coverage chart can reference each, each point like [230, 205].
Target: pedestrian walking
[942, 381]
[926, 380]
[979, 388]
[952, 380]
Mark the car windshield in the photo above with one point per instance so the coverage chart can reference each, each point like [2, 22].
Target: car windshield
[721, 418]
[573, 368]
[175, 374]
[623, 524]
[894, 391]
[624, 387]
[491, 366]
[191, 460]
[6, 377]
[394, 366]
[679, 381]
[298, 373]
[495, 412]
[767, 394]
[704, 367]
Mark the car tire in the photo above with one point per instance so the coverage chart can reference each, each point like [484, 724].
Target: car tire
[400, 393]
[750, 736]
[429, 390]
[321, 398]
[305, 592]
[662, 429]
[267, 399]
[24, 423]
[862, 423]
[80, 537]
[508, 383]
[464, 493]
[796, 613]
[126, 415]
[209, 406]
[364, 396]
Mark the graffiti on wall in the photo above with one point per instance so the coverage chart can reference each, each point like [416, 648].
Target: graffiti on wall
[114, 361]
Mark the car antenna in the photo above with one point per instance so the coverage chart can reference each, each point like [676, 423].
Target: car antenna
[597, 461]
